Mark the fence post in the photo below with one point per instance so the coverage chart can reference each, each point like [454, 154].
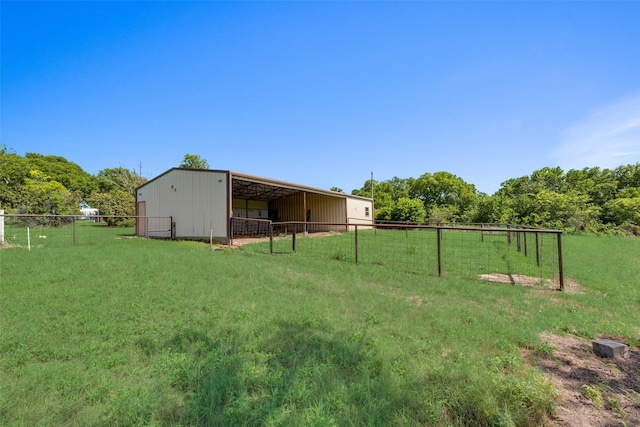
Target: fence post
[74, 231]
[271, 238]
[231, 231]
[525, 234]
[439, 234]
[508, 234]
[537, 249]
[356, 239]
[518, 240]
[1, 226]
[293, 237]
[560, 266]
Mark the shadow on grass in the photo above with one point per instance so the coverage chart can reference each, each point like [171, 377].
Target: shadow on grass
[301, 374]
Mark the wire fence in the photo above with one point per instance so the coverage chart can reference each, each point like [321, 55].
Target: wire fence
[50, 231]
[490, 252]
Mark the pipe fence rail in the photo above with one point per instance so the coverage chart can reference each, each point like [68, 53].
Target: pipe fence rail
[470, 251]
[32, 231]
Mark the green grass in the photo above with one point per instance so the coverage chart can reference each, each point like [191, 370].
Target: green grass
[144, 332]
[80, 233]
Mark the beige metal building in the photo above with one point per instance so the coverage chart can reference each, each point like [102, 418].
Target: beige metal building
[199, 200]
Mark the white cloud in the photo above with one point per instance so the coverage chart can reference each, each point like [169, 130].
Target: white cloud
[609, 137]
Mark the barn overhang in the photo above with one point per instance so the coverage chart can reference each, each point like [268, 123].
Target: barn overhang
[256, 188]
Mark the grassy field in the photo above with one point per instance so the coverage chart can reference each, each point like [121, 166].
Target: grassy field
[144, 332]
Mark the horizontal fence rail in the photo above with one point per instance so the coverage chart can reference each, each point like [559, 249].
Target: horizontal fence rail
[488, 251]
[48, 231]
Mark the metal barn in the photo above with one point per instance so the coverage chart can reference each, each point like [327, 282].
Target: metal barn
[199, 200]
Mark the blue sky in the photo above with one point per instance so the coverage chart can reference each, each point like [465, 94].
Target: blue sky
[324, 93]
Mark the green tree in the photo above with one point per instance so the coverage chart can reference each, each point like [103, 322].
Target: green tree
[119, 178]
[43, 195]
[194, 161]
[600, 185]
[67, 173]
[444, 189]
[408, 210]
[383, 200]
[336, 189]
[13, 172]
[117, 205]
[628, 176]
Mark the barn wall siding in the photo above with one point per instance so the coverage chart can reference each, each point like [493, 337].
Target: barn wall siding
[199, 199]
[196, 200]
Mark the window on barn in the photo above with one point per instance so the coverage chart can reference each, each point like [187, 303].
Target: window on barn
[366, 211]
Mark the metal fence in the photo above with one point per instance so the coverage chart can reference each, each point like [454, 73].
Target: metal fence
[48, 231]
[487, 251]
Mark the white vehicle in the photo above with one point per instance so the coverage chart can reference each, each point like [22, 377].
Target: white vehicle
[87, 211]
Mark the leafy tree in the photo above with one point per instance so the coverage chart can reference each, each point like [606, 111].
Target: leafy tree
[382, 198]
[442, 214]
[117, 194]
[194, 161]
[445, 189]
[623, 210]
[600, 185]
[67, 173]
[408, 210]
[336, 189]
[13, 172]
[628, 176]
[116, 202]
[119, 178]
[43, 195]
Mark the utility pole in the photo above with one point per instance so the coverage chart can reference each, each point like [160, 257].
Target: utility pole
[372, 185]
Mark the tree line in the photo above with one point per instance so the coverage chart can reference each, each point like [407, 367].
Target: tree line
[590, 199]
[37, 184]
[594, 200]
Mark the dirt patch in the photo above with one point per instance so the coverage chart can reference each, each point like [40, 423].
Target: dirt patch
[239, 241]
[593, 391]
[571, 286]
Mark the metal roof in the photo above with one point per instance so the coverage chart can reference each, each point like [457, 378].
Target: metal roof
[258, 188]
[246, 186]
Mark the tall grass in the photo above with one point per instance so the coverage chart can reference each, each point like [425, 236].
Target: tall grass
[143, 332]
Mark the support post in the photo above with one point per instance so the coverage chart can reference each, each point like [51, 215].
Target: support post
[439, 234]
[537, 249]
[1, 226]
[74, 231]
[293, 237]
[560, 266]
[304, 214]
[271, 237]
[356, 241]
[518, 240]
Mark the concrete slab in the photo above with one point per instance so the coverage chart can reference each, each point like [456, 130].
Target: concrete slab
[610, 349]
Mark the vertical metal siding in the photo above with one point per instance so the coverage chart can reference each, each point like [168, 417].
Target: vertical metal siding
[323, 208]
[195, 200]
